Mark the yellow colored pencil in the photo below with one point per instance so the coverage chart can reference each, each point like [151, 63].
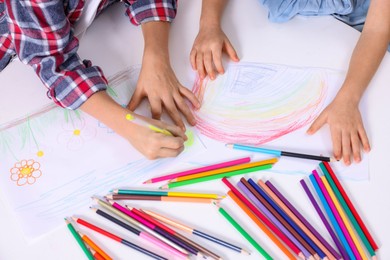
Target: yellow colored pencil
[224, 170]
[344, 218]
[139, 121]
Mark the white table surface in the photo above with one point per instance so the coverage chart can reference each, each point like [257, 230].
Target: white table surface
[113, 43]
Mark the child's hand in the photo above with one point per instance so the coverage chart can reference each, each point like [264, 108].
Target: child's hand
[155, 145]
[346, 127]
[158, 83]
[206, 53]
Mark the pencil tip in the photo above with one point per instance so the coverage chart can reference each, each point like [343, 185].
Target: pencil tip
[148, 181]
[245, 252]
[229, 145]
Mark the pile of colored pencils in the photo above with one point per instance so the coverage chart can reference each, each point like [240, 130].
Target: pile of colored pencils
[213, 172]
[150, 226]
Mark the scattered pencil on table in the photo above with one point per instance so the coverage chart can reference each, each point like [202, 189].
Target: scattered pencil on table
[193, 231]
[79, 240]
[161, 198]
[242, 169]
[200, 169]
[167, 193]
[243, 232]
[279, 153]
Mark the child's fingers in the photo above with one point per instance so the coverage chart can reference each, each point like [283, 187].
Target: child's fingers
[231, 52]
[355, 143]
[175, 131]
[135, 100]
[317, 124]
[217, 58]
[183, 107]
[155, 107]
[208, 64]
[173, 113]
[190, 96]
[200, 66]
[193, 58]
[336, 141]
[166, 152]
[364, 139]
[346, 147]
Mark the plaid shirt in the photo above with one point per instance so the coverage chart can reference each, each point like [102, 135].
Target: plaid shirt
[40, 34]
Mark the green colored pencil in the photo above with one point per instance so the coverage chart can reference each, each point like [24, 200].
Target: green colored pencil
[79, 240]
[216, 176]
[347, 210]
[244, 233]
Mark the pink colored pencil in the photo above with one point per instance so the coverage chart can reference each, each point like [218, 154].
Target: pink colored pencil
[337, 215]
[201, 169]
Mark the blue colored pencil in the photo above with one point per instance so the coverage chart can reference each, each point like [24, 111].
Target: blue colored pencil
[331, 217]
[287, 218]
[279, 153]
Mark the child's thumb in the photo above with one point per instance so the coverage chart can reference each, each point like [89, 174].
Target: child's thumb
[316, 125]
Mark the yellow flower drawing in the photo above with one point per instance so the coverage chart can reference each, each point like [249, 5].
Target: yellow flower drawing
[25, 172]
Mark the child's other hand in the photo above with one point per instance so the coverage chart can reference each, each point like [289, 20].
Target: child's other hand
[158, 83]
[206, 53]
[155, 145]
[346, 127]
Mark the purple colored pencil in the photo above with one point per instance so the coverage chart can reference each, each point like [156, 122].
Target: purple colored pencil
[337, 215]
[302, 219]
[324, 220]
[273, 219]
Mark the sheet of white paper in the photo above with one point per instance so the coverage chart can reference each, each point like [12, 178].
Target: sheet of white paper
[271, 106]
[53, 162]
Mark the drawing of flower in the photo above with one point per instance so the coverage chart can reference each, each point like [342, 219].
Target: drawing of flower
[25, 172]
[75, 134]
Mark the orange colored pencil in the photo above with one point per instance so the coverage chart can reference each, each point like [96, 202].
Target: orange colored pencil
[96, 255]
[295, 219]
[261, 225]
[95, 247]
[224, 170]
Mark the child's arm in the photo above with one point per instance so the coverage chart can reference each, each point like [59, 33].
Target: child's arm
[158, 82]
[211, 41]
[343, 115]
[151, 144]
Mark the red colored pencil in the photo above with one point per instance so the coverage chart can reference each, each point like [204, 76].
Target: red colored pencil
[351, 207]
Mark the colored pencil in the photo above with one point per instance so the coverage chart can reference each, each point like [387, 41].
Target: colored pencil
[139, 233]
[121, 213]
[265, 220]
[331, 217]
[261, 225]
[350, 208]
[193, 231]
[79, 240]
[324, 220]
[158, 230]
[117, 238]
[318, 240]
[96, 255]
[161, 198]
[337, 215]
[217, 176]
[225, 170]
[272, 189]
[200, 248]
[93, 246]
[167, 194]
[201, 169]
[277, 221]
[295, 230]
[244, 233]
[279, 153]
[141, 122]
[344, 219]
